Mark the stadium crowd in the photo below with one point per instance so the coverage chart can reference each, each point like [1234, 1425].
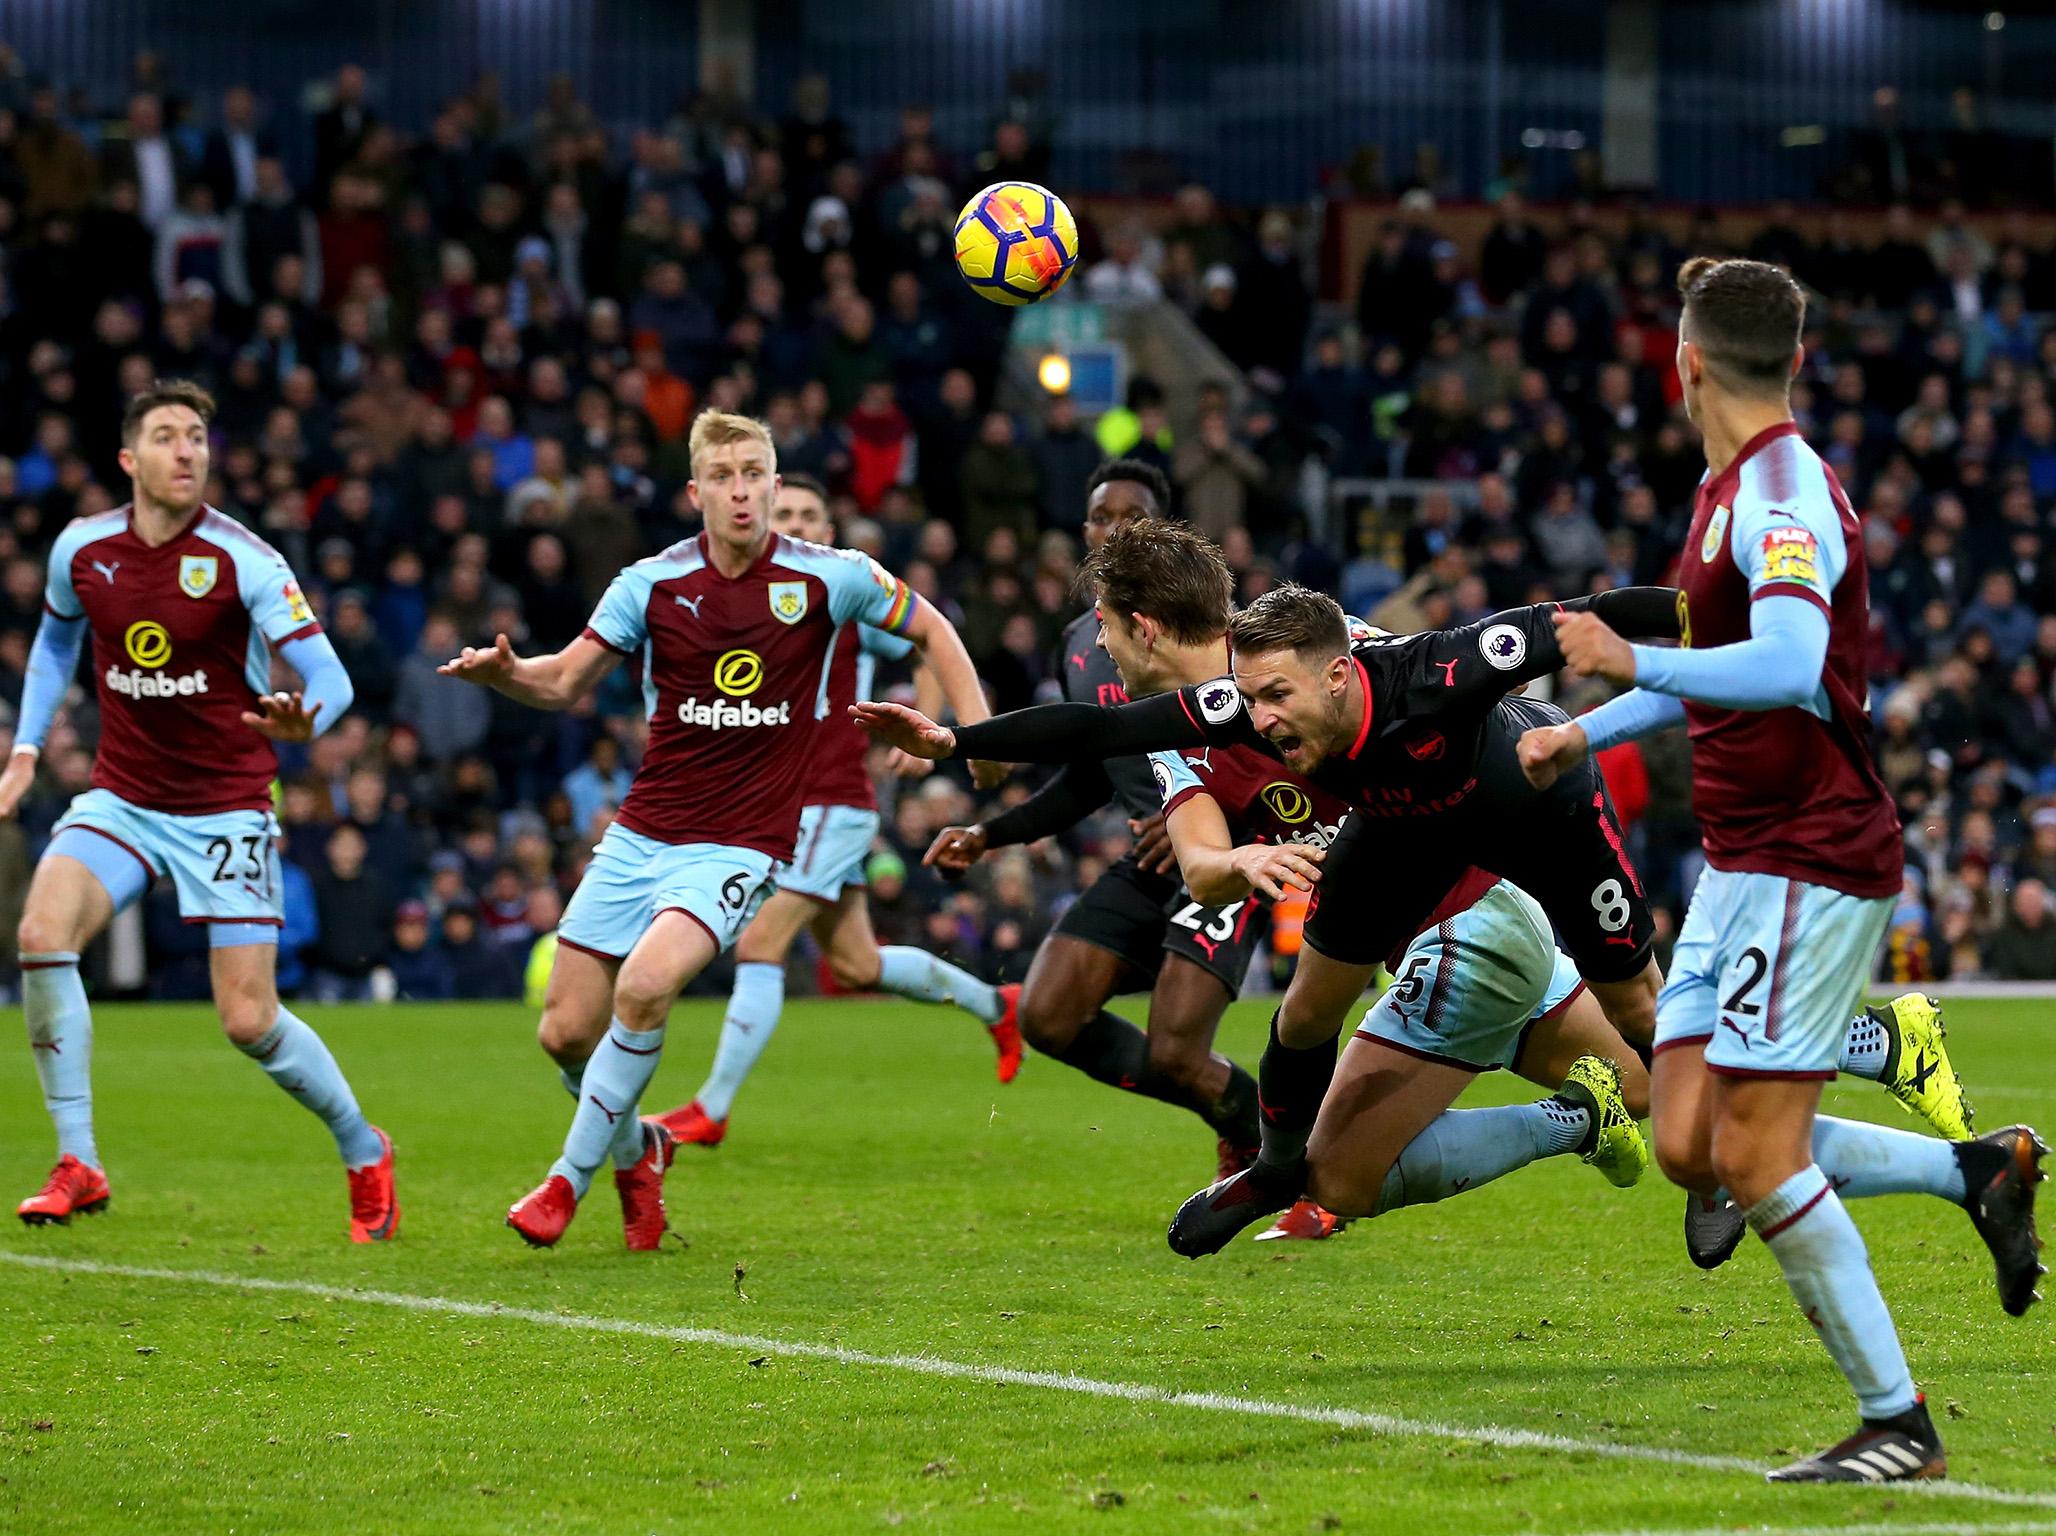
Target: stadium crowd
[455, 368]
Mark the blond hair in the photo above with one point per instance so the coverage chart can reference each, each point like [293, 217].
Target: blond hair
[718, 429]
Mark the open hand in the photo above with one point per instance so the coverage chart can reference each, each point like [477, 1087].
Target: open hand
[1153, 850]
[1272, 869]
[282, 717]
[908, 729]
[955, 849]
[484, 665]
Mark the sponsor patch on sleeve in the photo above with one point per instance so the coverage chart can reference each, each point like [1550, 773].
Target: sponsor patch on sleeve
[1163, 776]
[1219, 701]
[296, 604]
[1791, 554]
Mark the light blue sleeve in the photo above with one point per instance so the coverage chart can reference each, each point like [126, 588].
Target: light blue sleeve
[1777, 667]
[861, 589]
[60, 597]
[53, 660]
[1638, 712]
[326, 691]
[621, 622]
[1793, 548]
[1174, 776]
[876, 642]
[278, 609]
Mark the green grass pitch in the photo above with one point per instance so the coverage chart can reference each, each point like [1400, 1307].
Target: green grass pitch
[879, 1193]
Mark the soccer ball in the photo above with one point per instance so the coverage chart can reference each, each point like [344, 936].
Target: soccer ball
[1016, 242]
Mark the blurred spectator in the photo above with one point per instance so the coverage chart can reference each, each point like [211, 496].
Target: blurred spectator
[2024, 948]
[352, 904]
[421, 973]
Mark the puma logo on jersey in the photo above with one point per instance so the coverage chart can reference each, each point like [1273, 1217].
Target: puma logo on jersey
[1448, 671]
[107, 570]
[690, 604]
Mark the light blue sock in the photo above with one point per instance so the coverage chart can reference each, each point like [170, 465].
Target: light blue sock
[293, 1056]
[1461, 1149]
[1828, 1269]
[612, 1086]
[752, 1018]
[61, 1039]
[915, 973]
[1861, 1160]
[627, 1146]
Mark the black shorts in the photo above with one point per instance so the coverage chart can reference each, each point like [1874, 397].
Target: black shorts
[1142, 917]
[1384, 876]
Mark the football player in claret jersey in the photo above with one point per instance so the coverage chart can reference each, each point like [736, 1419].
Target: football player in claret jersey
[1804, 857]
[1135, 923]
[185, 607]
[823, 888]
[1416, 733]
[738, 630]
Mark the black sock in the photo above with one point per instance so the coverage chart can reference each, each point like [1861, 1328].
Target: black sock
[1291, 1084]
[1110, 1050]
[1233, 1115]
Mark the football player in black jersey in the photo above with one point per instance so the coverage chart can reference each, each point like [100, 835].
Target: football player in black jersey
[1417, 733]
[1136, 923]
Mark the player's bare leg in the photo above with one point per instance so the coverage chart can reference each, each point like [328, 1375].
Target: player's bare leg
[295, 1057]
[1185, 1010]
[754, 1004]
[1582, 1029]
[858, 964]
[1380, 1100]
[1630, 1006]
[674, 950]
[576, 1007]
[67, 909]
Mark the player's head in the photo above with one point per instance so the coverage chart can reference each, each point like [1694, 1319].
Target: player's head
[164, 444]
[1120, 491]
[1292, 664]
[1157, 587]
[800, 510]
[1739, 335]
[734, 478]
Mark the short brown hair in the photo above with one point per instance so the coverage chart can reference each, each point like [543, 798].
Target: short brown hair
[1291, 618]
[163, 392]
[1166, 571]
[717, 429]
[1746, 317]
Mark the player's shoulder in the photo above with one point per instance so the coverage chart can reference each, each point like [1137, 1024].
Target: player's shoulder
[1784, 476]
[81, 531]
[822, 560]
[680, 559]
[1086, 622]
[243, 546]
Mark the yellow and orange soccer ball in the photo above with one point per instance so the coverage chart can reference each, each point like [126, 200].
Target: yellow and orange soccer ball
[1016, 242]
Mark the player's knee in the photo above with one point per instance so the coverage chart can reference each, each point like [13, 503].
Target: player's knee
[1049, 1019]
[42, 933]
[246, 1017]
[563, 1035]
[854, 973]
[1343, 1190]
[641, 1000]
[1183, 1061]
[1685, 1160]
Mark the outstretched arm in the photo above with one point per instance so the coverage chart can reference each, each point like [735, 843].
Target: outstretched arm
[1045, 733]
[555, 681]
[1778, 666]
[53, 659]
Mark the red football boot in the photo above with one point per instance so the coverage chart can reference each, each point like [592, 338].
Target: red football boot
[1230, 1159]
[541, 1215]
[643, 1223]
[72, 1187]
[690, 1123]
[1305, 1222]
[374, 1204]
[1006, 1034]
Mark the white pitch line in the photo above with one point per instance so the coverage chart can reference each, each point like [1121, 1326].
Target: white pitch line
[1923, 1528]
[999, 1375]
